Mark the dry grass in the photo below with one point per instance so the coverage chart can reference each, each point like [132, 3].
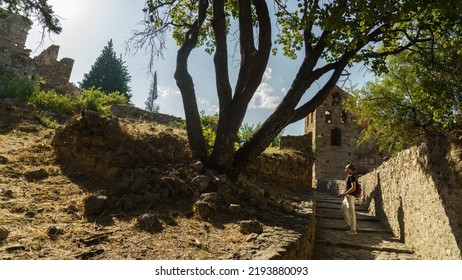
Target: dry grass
[45, 218]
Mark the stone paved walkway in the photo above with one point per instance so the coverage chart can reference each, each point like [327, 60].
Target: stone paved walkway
[373, 241]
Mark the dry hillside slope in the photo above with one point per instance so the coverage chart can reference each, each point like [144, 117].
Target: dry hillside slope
[108, 188]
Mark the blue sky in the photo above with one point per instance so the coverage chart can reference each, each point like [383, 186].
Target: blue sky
[88, 25]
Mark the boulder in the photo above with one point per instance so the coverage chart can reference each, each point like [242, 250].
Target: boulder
[95, 205]
[250, 226]
[35, 174]
[4, 234]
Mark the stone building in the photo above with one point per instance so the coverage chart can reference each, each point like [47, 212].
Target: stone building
[334, 135]
[13, 36]
[14, 55]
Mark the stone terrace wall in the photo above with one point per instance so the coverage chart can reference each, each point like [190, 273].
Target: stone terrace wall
[418, 193]
[134, 113]
[294, 168]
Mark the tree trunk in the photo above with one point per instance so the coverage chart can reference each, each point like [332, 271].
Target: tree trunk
[253, 66]
[186, 85]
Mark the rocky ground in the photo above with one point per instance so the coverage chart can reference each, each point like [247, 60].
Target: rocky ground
[106, 188]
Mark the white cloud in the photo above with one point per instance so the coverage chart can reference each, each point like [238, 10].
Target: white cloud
[267, 75]
[169, 101]
[210, 109]
[264, 98]
[165, 92]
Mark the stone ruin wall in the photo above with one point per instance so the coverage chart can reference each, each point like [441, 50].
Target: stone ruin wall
[418, 194]
[14, 55]
[56, 72]
[293, 167]
[13, 36]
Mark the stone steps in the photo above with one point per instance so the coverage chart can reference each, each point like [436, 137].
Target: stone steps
[374, 240]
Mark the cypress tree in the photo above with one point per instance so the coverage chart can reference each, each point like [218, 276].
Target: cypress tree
[152, 96]
[109, 73]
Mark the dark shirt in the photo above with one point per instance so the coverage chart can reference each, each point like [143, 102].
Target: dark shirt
[349, 180]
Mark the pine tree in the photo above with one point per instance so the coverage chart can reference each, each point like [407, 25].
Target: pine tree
[150, 105]
[108, 73]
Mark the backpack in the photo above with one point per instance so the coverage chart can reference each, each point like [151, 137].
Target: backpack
[358, 190]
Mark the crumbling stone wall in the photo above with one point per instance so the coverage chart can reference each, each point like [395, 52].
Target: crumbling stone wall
[103, 147]
[56, 72]
[13, 31]
[300, 143]
[13, 35]
[134, 113]
[288, 167]
[418, 194]
[13, 55]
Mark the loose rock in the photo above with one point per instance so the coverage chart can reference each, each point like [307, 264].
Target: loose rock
[4, 234]
[54, 231]
[202, 208]
[148, 222]
[95, 205]
[3, 160]
[7, 193]
[250, 226]
[201, 183]
[36, 174]
[197, 166]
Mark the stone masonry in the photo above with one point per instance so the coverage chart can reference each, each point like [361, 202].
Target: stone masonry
[334, 134]
[417, 193]
[13, 36]
[14, 55]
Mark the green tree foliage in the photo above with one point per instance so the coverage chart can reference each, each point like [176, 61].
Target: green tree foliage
[209, 127]
[108, 73]
[150, 104]
[325, 36]
[39, 10]
[419, 96]
[246, 131]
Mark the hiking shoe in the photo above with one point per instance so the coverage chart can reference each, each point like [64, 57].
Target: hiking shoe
[352, 232]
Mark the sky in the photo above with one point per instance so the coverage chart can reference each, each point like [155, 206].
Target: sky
[88, 25]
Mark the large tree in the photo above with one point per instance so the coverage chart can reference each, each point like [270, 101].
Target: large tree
[109, 73]
[326, 36]
[39, 10]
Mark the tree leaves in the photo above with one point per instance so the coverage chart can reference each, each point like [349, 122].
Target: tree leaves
[109, 73]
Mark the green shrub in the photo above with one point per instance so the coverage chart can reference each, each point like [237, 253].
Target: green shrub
[91, 99]
[14, 86]
[53, 101]
[96, 100]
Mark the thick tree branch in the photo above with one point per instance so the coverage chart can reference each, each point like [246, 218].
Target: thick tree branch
[224, 90]
[260, 56]
[247, 45]
[186, 85]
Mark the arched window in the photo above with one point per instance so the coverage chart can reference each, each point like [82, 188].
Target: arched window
[335, 137]
[328, 115]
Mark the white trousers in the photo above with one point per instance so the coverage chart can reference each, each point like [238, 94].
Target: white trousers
[348, 209]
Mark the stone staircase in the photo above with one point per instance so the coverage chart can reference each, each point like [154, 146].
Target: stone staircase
[374, 240]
